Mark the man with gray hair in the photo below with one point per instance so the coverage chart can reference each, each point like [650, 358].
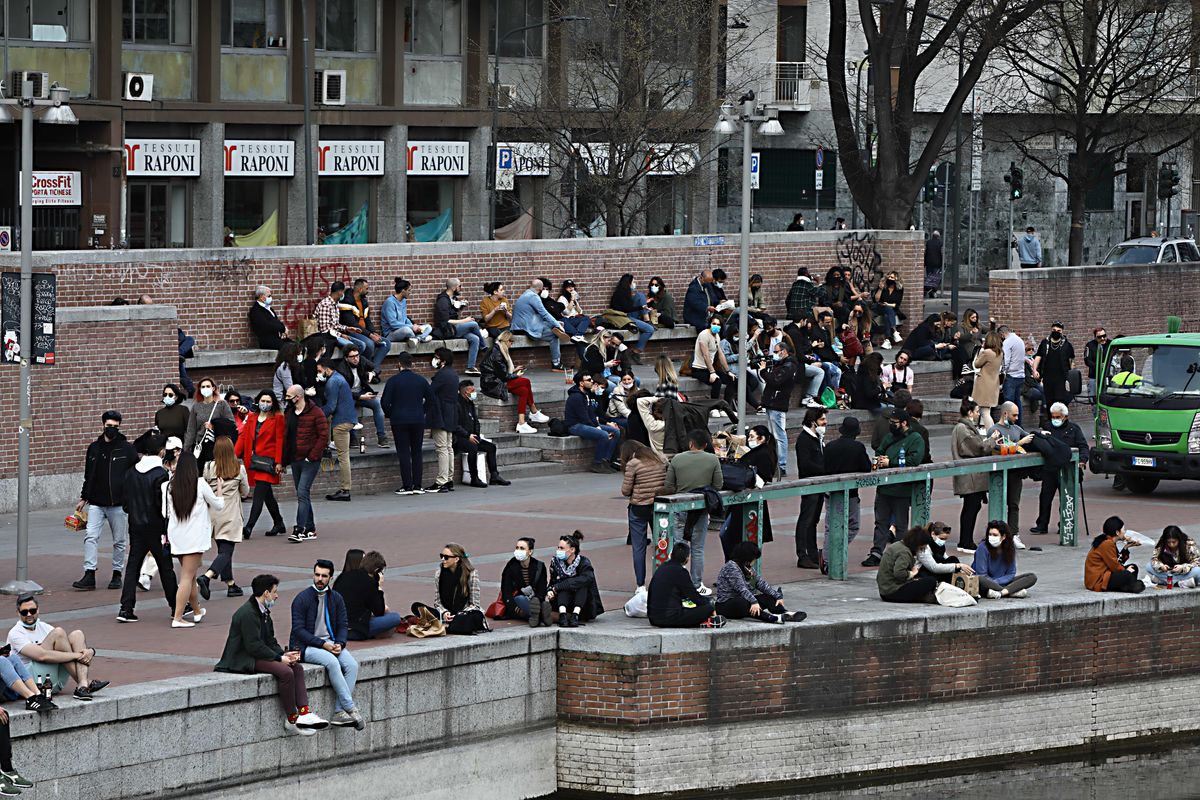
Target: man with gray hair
[531, 318]
[1070, 434]
[1007, 428]
[267, 327]
[448, 316]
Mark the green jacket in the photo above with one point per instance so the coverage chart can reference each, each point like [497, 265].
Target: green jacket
[894, 565]
[251, 638]
[691, 470]
[914, 454]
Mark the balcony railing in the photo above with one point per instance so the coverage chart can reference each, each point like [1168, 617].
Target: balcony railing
[793, 85]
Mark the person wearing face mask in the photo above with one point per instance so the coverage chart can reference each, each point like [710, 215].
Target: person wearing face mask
[574, 320]
[810, 463]
[846, 455]
[887, 300]
[320, 630]
[572, 588]
[147, 525]
[531, 318]
[268, 329]
[251, 647]
[172, 418]
[342, 415]
[287, 361]
[899, 578]
[934, 561]
[965, 442]
[996, 565]
[225, 470]
[409, 403]
[469, 440]
[260, 447]
[523, 584]
[709, 365]
[662, 301]
[893, 501]
[1053, 360]
[644, 474]
[779, 380]
[1070, 434]
[761, 457]
[580, 416]
[207, 406]
[628, 303]
[108, 460]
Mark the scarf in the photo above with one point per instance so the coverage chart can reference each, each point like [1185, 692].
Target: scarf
[565, 570]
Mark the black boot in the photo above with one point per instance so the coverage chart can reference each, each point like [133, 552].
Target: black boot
[88, 582]
[115, 583]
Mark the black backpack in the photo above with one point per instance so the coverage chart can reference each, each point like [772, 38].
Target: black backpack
[558, 427]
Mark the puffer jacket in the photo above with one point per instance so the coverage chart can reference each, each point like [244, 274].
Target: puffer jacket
[143, 497]
[307, 434]
[965, 442]
[643, 481]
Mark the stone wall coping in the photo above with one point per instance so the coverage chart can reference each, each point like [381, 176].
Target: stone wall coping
[1098, 271]
[77, 315]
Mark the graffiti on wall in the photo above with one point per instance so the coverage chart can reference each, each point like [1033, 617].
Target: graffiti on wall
[304, 284]
[859, 252]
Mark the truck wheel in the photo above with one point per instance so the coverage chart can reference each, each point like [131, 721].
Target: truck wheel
[1140, 485]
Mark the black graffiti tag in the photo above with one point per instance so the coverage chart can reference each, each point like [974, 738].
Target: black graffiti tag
[859, 252]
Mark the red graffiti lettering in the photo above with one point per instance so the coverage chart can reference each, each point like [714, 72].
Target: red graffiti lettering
[304, 284]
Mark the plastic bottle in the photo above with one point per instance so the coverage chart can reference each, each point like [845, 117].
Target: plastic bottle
[1170, 581]
[900, 460]
[362, 444]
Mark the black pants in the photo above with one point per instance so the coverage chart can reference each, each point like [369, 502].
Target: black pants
[141, 544]
[806, 525]
[5, 749]
[465, 622]
[889, 509]
[737, 608]
[915, 591]
[940, 577]
[570, 598]
[684, 617]
[473, 450]
[409, 439]
[264, 494]
[723, 379]
[972, 503]
[1050, 484]
[222, 565]
[1125, 581]
[1013, 497]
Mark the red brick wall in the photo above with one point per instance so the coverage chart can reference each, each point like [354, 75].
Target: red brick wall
[824, 670]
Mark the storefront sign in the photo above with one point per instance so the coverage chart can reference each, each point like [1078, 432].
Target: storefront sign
[439, 158]
[530, 158]
[57, 188]
[260, 158]
[362, 157]
[162, 157]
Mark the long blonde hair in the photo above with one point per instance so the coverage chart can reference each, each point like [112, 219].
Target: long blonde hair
[665, 370]
[225, 463]
[504, 342]
[464, 561]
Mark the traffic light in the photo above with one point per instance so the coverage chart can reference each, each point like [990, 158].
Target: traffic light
[1168, 181]
[930, 186]
[1015, 180]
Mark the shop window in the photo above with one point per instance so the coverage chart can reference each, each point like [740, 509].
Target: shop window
[343, 210]
[252, 211]
[433, 27]
[253, 23]
[787, 179]
[157, 21]
[431, 209]
[51, 20]
[157, 214]
[516, 14]
[346, 26]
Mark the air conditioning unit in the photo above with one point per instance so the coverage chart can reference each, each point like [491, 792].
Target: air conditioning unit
[41, 84]
[329, 87]
[139, 86]
[505, 95]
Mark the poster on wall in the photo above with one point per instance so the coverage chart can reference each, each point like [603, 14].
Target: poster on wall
[45, 299]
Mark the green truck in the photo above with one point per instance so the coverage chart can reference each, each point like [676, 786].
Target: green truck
[1148, 410]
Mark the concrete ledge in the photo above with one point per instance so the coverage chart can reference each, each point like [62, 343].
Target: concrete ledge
[75, 315]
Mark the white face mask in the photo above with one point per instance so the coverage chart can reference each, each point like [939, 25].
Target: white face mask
[599, 390]
[267, 302]
[753, 443]
[654, 290]
[627, 387]
[994, 541]
[520, 555]
[168, 401]
[820, 430]
[321, 376]
[622, 348]
[435, 363]
[633, 287]
[206, 392]
[720, 284]
[545, 294]
[299, 359]
[939, 542]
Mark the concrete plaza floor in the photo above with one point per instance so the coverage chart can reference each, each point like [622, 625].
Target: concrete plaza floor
[410, 531]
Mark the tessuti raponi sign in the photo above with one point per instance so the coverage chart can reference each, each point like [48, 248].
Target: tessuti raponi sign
[162, 157]
[56, 188]
[363, 157]
[439, 158]
[260, 158]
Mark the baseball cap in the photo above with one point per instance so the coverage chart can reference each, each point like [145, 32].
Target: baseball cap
[899, 415]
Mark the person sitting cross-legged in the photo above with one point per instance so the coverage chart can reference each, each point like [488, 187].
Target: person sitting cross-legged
[741, 592]
[523, 584]
[320, 630]
[50, 652]
[671, 599]
[360, 584]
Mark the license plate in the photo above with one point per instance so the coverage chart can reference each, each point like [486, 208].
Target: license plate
[1142, 461]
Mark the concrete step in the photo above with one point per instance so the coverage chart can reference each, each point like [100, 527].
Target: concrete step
[539, 469]
[518, 455]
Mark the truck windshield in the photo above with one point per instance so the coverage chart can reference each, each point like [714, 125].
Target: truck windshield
[1133, 254]
[1151, 373]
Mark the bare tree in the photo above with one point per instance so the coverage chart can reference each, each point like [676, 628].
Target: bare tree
[906, 43]
[1109, 77]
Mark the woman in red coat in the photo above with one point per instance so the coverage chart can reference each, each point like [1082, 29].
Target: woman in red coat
[262, 435]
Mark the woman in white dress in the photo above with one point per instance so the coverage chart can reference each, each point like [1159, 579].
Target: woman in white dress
[186, 501]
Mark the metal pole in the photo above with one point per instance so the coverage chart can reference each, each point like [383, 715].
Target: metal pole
[494, 95]
[958, 147]
[310, 180]
[22, 584]
[744, 267]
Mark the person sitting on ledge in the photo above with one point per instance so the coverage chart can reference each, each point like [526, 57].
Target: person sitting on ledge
[251, 648]
[933, 559]
[581, 420]
[18, 683]
[531, 317]
[449, 322]
[320, 630]
[50, 652]
[572, 585]
[494, 311]
[360, 584]
[673, 602]
[523, 584]
[741, 592]
[268, 329]
[1105, 570]
[497, 370]
[1175, 557]
[897, 578]
[456, 593]
[470, 441]
[397, 327]
[996, 564]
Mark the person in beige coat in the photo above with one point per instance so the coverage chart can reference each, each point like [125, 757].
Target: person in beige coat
[986, 391]
[645, 473]
[227, 522]
[965, 442]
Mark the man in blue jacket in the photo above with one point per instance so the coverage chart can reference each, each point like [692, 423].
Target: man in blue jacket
[701, 300]
[342, 413]
[581, 420]
[320, 628]
[531, 318]
[409, 403]
[445, 391]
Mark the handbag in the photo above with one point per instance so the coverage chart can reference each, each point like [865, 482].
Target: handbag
[737, 477]
[497, 609]
[260, 463]
[428, 625]
[952, 596]
[207, 433]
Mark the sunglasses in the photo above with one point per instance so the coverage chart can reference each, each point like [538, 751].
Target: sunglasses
[445, 556]
[28, 612]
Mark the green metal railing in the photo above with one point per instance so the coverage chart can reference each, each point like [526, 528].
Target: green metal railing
[750, 503]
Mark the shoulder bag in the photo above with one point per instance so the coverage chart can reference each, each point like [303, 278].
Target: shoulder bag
[264, 464]
[207, 433]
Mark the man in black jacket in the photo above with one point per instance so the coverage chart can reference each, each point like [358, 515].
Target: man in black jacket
[1069, 433]
[445, 392]
[268, 329]
[108, 460]
[467, 439]
[147, 526]
[916, 409]
[810, 463]
[354, 368]
[669, 589]
[779, 379]
[845, 455]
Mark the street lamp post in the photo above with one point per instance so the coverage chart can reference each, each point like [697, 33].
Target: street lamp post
[59, 113]
[498, 40]
[750, 114]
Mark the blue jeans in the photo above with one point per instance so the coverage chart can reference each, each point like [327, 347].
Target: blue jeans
[1155, 575]
[374, 353]
[1011, 392]
[577, 326]
[638, 528]
[406, 332]
[813, 375]
[342, 670]
[12, 669]
[605, 446]
[645, 331]
[699, 534]
[118, 525]
[555, 346]
[378, 625]
[889, 320]
[521, 602]
[470, 332]
[377, 413]
[303, 475]
[833, 375]
[777, 422]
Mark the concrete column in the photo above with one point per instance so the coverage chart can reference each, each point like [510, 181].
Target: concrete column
[473, 201]
[703, 190]
[296, 232]
[393, 186]
[208, 196]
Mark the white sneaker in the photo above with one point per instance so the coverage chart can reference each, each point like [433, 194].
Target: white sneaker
[291, 728]
[896, 337]
[993, 594]
[1018, 543]
[1021, 593]
[144, 582]
[525, 427]
[182, 623]
[714, 414]
[538, 416]
[642, 589]
[887, 344]
[1190, 583]
[311, 721]
[965, 550]
[703, 590]
[812, 402]
[358, 426]
[578, 339]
